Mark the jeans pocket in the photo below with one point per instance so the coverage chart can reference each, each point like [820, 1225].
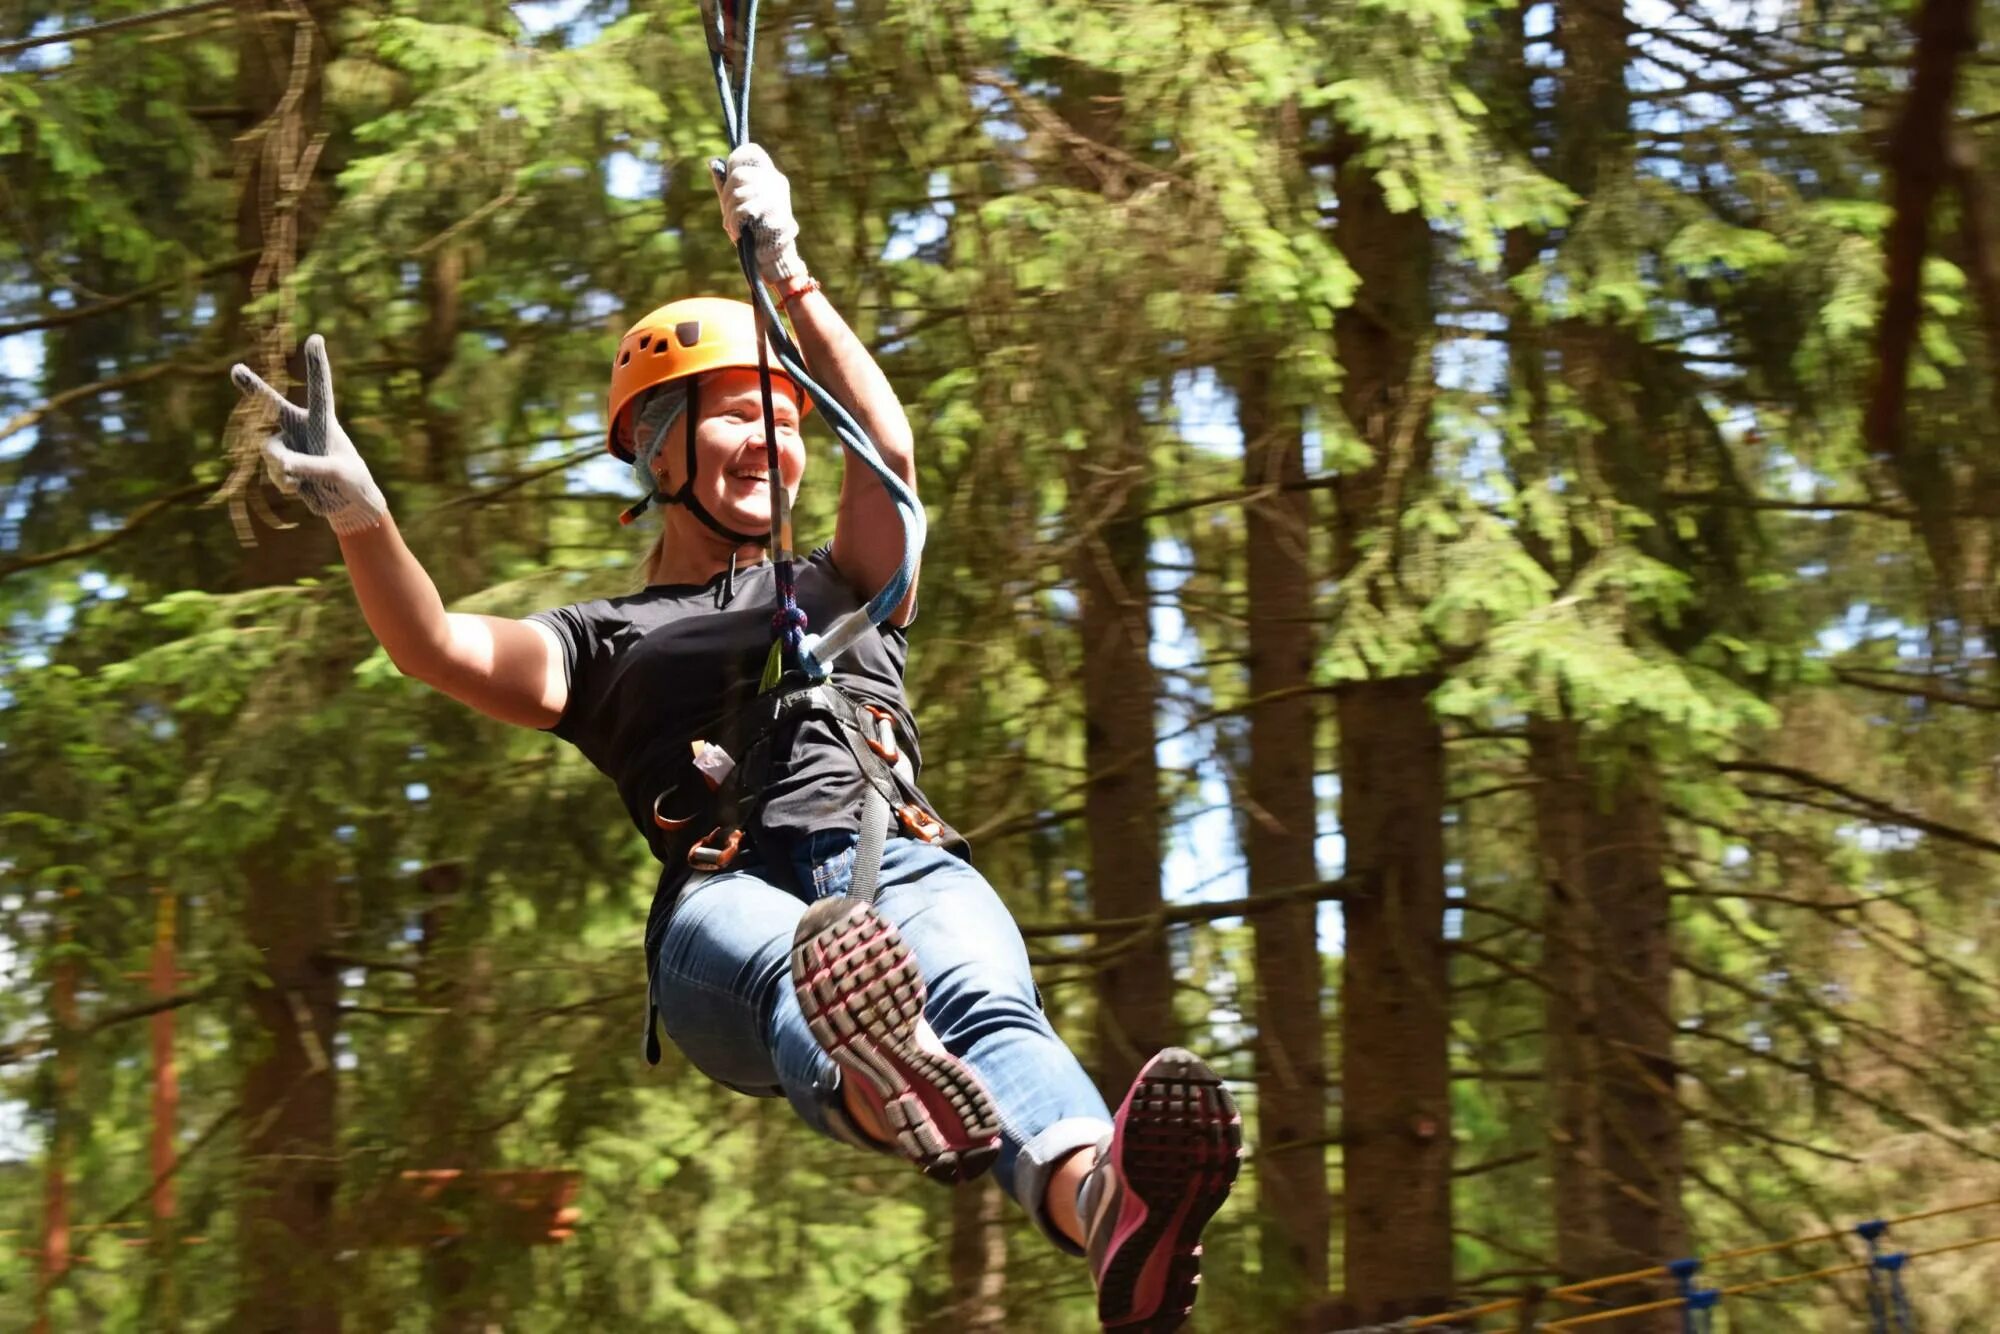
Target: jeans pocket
[834, 874]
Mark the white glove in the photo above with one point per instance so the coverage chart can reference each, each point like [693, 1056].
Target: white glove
[311, 456]
[755, 194]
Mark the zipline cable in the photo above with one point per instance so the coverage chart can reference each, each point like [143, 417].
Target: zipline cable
[811, 654]
[1569, 1290]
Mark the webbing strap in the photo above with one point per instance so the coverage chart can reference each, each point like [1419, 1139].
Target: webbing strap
[867, 879]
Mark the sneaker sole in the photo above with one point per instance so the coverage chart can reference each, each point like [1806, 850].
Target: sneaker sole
[1180, 1144]
[862, 995]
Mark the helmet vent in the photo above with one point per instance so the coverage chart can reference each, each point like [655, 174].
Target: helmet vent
[688, 332]
[626, 360]
[645, 341]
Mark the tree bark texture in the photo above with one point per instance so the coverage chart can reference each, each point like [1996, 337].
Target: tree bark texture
[978, 1254]
[1614, 1120]
[290, 1150]
[288, 1243]
[1607, 948]
[1395, 1014]
[1109, 483]
[1918, 163]
[1919, 167]
[1122, 799]
[1279, 826]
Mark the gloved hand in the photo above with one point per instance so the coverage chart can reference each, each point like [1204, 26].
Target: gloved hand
[311, 456]
[755, 194]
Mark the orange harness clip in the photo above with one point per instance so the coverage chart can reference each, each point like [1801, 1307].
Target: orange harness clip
[708, 855]
[667, 822]
[919, 824]
[885, 746]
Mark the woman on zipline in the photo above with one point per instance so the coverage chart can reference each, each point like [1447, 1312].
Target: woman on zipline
[909, 1024]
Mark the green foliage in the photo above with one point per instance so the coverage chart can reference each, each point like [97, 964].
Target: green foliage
[1050, 221]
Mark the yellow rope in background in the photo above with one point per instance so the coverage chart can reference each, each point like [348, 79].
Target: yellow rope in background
[1758, 1285]
[1571, 1290]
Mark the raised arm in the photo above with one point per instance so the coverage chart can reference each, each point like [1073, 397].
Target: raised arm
[506, 669]
[868, 534]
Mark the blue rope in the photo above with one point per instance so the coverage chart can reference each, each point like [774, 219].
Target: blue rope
[1889, 1309]
[789, 621]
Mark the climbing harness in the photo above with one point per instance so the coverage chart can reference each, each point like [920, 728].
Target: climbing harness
[736, 778]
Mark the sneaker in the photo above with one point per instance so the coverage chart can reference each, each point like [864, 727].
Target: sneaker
[1160, 1175]
[863, 998]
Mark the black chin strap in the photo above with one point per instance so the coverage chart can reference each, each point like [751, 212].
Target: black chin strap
[686, 497]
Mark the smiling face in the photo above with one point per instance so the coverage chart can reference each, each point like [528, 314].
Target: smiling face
[731, 463]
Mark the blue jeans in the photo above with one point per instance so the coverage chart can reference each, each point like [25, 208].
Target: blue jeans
[723, 987]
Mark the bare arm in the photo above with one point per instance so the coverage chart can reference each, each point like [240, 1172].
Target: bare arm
[506, 669]
[868, 535]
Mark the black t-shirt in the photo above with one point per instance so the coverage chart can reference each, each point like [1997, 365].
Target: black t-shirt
[655, 671]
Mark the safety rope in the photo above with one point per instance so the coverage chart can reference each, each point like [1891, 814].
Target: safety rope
[813, 655]
[1573, 1291]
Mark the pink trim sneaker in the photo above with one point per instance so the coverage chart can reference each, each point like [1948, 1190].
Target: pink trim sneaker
[863, 998]
[1166, 1167]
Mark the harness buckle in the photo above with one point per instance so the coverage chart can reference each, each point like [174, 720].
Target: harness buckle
[885, 745]
[918, 823]
[708, 855]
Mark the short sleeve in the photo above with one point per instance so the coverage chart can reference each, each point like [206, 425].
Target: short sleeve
[576, 630]
[823, 555]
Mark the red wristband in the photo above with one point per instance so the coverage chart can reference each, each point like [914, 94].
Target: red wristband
[787, 295]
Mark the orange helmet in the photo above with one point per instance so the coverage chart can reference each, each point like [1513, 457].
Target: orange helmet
[680, 339]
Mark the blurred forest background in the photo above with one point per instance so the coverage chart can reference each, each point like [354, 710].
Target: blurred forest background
[1461, 586]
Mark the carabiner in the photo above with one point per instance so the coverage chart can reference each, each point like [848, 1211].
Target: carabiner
[886, 727]
[708, 855]
[919, 823]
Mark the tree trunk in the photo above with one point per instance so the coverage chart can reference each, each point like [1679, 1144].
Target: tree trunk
[1395, 1085]
[978, 1261]
[290, 1149]
[1280, 826]
[1395, 1016]
[287, 1243]
[1614, 1120]
[1609, 1064]
[1563, 820]
[1109, 483]
[1632, 945]
[455, 975]
[1122, 799]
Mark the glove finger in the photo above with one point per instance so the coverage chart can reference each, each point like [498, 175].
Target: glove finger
[748, 155]
[719, 175]
[251, 385]
[319, 378]
[297, 466]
